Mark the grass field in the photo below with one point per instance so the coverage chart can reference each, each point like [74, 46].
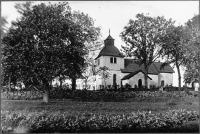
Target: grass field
[75, 107]
[101, 107]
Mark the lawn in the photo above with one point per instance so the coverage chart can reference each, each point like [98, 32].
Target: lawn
[99, 107]
[130, 105]
[74, 107]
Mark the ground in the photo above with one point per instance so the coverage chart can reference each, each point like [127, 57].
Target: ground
[100, 107]
[77, 107]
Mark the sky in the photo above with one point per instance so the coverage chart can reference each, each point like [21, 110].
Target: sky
[114, 15]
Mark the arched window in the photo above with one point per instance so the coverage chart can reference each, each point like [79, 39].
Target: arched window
[162, 83]
[139, 83]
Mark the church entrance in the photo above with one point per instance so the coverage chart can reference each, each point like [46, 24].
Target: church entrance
[162, 83]
[139, 83]
[114, 79]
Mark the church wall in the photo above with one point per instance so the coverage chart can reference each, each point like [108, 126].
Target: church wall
[134, 80]
[167, 77]
[113, 66]
[154, 80]
[109, 81]
[101, 61]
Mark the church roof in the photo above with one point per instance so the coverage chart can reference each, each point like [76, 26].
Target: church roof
[166, 69]
[154, 68]
[109, 49]
[109, 38]
[132, 74]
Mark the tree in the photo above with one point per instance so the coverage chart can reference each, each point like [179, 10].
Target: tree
[105, 73]
[142, 39]
[192, 44]
[173, 49]
[45, 43]
[23, 7]
[90, 36]
[8, 72]
[91, 69]
[3, 33]
[3, 26]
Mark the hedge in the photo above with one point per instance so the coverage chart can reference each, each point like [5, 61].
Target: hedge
[141, 121]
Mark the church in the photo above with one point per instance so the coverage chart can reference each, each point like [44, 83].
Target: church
[123, 70]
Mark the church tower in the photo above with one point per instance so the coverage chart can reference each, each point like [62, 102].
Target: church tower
[110, 57]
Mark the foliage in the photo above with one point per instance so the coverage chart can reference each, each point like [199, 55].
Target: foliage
[90, 36]
[3, 26]
[192, 44]
[23, 7]
[173, 48]
[143, 39]
[22, 95]
[97, 96]
[46, 42]
[104, 72]
[141, 121]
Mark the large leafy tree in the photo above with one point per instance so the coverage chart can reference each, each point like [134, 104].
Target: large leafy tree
[143, 39]
[173, 49]
[192, 44]
[45, 43]
[3, 26]
[10, 73]
[90, 36]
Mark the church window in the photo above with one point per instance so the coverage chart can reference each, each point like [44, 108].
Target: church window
[113, 60]
[98, 61]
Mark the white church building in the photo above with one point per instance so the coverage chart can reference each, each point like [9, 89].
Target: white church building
[124, 70]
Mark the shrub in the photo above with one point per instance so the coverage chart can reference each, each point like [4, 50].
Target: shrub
[141, 121]
[85, 95]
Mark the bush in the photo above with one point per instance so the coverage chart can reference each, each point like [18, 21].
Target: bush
[49, 122]
[115, 96]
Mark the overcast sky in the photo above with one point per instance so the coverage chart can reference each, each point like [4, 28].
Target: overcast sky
[114, 15]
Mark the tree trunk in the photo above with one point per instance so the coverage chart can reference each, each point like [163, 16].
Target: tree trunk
[179, 76]
[61, 89]
[145, 77]
[46, 96]
[73, 83]
[85, 84]
[104, 84]
[60, 84]
[46, 91]
[9, 83]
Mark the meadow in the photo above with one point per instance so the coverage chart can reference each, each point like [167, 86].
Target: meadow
[89, 111]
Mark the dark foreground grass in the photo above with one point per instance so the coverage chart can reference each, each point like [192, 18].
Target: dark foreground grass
[110, 108]
[61, 121]
[190, 103]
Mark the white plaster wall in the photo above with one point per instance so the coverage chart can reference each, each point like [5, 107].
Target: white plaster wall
[109, 81]
[114, 69]
[112, 66]
[99, 81]
[154, 80]
[101, 61]
[167, 77]
[124, 82]
[134, 80]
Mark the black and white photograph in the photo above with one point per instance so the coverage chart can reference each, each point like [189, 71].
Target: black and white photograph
[100, 66]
